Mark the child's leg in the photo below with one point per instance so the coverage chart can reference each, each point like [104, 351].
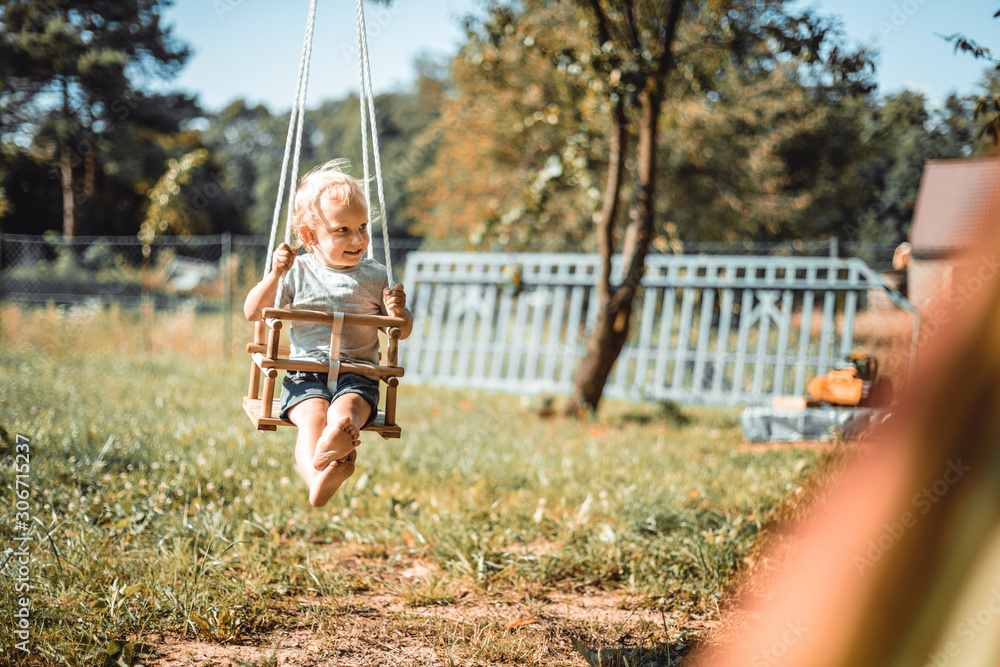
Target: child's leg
[325, 483]
[309, 417]
[345, 416]
[344, 419]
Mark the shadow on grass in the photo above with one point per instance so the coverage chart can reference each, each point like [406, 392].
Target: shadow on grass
[660, 655]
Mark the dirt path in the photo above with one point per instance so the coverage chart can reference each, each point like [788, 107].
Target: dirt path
[419, 617]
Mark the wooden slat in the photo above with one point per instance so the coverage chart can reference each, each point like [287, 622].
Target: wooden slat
[468, 324]
[768, 304]
[439, 303]
[742, 342]
[321, 367]
[763, 339]
[327, 318]
[541, 299]
[683, 337]
[554, 337]
[644, 346]
[722, 342]
[413, 350]
[517, 343]
[500, 344]
[784, 329]
[449, 338]
[805, 337]
[663, 338]
[828, 331]
[253, 409]
[704, 337]
[484, 332]
[847, 330]
[573, 341]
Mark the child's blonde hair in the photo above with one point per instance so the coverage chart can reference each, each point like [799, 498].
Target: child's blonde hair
[327, 181]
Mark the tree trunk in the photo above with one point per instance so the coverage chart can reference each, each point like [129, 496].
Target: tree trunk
[611, 330]
[69, 204]
[614, 317]
[66, 171]
[593, 372]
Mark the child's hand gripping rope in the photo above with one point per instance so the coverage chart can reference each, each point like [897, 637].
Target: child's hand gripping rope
[395, 300]
[282, 259]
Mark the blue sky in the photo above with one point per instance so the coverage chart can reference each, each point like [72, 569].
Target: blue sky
[251, 48]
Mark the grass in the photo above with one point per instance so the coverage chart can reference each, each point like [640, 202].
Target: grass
[156, 508]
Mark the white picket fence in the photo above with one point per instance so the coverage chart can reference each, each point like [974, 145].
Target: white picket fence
[710, 329]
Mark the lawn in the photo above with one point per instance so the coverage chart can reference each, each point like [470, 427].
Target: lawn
[166, 530]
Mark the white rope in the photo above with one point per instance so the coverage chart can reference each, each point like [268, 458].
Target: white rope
[364, 128]
[366, 88]
[294, 177]
[300, 85]
[296, 126]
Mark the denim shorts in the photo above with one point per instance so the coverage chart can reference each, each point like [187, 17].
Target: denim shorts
[298, 386]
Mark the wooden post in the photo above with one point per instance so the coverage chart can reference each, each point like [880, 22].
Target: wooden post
[1, 282]
[227, 292]
[390, 401]
[392, 354]
[146, 307]
[392, 349]
[258, 339]
[273, 337]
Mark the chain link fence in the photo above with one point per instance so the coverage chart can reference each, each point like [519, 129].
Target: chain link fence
[212, 273]
[206, 273]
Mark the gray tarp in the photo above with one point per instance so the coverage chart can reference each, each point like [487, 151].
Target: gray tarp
[765, 424]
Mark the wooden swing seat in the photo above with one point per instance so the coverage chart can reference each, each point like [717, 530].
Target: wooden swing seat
[269, 356]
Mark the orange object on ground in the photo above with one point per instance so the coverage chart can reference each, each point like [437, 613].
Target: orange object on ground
[841, 387]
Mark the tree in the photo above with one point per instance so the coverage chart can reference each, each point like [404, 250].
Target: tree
[899, 135]
[626, 75]
[71, 75]
[520, 140]
[250, 142]
[988, 104]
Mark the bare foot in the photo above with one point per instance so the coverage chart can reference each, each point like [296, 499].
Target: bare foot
[325, 484]
[337, 441]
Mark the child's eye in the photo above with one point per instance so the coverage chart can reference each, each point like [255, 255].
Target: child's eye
[363, 227]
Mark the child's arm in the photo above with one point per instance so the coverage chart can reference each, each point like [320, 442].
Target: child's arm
[262, 295]
[395, 305]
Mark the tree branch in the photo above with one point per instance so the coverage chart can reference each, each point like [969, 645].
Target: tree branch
[633, 31]
[603, 33]
[666, 41]
[609, 212]
[642, 214]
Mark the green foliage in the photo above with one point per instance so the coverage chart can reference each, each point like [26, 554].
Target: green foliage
[754, 140]
[164, 213]
[85, 140]
[987, 106]
[896, 137]
[250, 142]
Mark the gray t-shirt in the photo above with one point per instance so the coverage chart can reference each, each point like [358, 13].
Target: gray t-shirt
[311, 285]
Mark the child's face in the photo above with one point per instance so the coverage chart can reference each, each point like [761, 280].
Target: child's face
[341, 235]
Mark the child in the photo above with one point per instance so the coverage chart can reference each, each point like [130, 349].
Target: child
[330, 218]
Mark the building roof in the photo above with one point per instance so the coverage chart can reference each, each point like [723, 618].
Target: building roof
[958, 204]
